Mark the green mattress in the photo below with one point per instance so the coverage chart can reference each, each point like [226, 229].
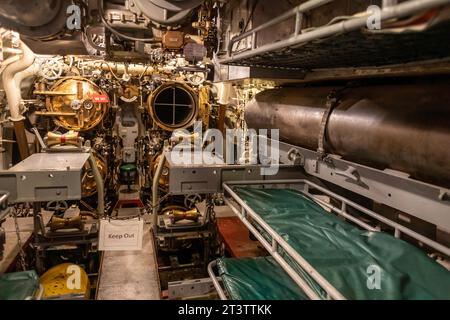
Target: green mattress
[18, 285]
[348, 257]
[259, 278]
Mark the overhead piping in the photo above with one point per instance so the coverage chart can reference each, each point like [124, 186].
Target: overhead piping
[12, 88]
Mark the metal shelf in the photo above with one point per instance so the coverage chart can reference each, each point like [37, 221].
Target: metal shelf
[345, 43]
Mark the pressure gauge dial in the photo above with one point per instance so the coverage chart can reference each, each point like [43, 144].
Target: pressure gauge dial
[88, 104]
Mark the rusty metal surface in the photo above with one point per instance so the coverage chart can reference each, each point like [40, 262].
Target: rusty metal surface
[236, 238]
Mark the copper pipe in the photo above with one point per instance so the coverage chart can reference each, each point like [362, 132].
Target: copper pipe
[221, 118]
[53, 114]
[53, 93]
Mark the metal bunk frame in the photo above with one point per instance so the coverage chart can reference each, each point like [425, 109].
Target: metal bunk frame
[390, 10]
[249, 218]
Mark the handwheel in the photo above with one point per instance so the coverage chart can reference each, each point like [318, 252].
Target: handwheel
[51, 69]
[57, 206]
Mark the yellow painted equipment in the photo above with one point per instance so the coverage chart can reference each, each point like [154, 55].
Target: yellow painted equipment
[77, 103]
[66, 280]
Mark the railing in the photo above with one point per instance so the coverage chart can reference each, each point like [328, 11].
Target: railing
[275, 242]
[216, 281]
[4, 210]
[390, 10]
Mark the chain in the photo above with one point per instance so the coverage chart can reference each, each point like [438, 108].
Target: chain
[90, 208]
[137, 216]
[161, 200]
[19, 241]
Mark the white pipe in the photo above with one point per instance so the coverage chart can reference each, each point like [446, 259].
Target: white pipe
[10, 86]
[389, 3]
[22, 75]
[28, 72]
[7, 62]
[3, 66]
[223, 92]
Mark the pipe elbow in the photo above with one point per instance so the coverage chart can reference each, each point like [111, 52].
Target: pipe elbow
[11, 87]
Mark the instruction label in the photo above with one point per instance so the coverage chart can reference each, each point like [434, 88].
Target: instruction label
[118, 235]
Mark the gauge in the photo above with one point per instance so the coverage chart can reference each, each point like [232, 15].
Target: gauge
[75, 104]
[88, 104]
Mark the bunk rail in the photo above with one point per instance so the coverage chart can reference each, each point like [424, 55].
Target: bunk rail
[272, 241]
[390, 10]
[216, 281]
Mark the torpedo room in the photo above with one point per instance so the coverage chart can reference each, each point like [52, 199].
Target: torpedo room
[224, 150]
